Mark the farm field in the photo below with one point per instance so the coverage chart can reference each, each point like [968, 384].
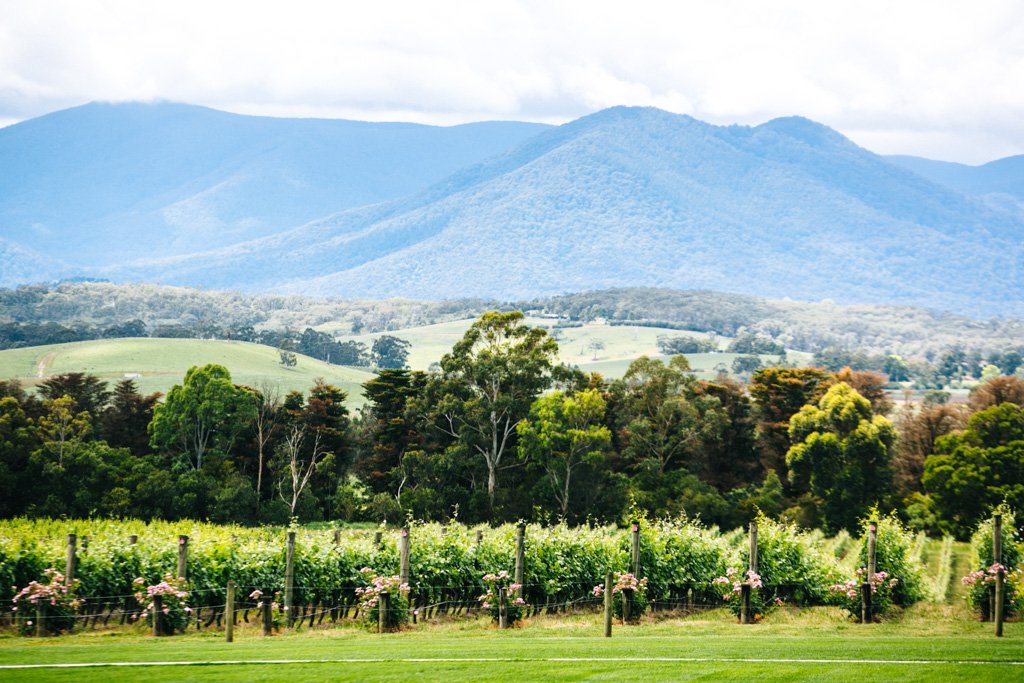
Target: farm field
[161, 363]
[928, 644]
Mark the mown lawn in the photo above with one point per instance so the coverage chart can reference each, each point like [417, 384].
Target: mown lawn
[930, 643]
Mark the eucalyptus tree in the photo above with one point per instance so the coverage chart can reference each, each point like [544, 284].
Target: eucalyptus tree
[207, 412]
[564, 432]
[488, 383]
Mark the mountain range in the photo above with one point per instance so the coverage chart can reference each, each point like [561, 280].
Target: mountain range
[623, 197]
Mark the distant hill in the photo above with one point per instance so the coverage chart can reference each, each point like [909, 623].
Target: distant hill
[625, 197]
[1001, 177]
[641, 197]
[102, 184]
[804, 326]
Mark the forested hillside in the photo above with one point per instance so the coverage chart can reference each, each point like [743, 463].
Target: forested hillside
[104, 183]
[624, 197]
[92, 310]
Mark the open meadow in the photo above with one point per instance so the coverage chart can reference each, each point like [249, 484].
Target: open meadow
[158, 364]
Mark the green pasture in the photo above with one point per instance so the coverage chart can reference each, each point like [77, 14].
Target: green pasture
[608, 349]
[162, 363]
[929, 643]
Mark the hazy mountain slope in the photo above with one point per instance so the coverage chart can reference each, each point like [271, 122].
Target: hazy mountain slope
[999, 177]
[19, 265]
[105, 183]
[641, 197]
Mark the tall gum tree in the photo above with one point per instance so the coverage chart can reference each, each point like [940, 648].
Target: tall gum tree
[490, 379]
[205, 412]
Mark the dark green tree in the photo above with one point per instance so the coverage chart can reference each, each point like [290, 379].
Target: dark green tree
[972, 472]
[89, 392]
[205, 413]
[779, 393]
[123, 424]
[563, 433]
[488, 383]
[389, 352]
[842, 455]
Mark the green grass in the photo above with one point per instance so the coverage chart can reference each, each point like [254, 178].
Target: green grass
[621, 345]
[924, 645]
[162, 363]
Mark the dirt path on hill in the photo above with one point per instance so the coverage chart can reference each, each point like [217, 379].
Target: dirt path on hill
[43, 362]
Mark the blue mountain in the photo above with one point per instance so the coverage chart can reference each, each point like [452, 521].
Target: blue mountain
[623, 197]
[1000, 182]
[103, 184]
[641, 197]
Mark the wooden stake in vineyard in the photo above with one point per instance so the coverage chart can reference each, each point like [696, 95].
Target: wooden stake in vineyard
[289, 579]
[997, 559]
[182, 557]
[517, 575]
[229, 613]
[608, 605]
[403, 556]
[866, 610]
[745, 590]
[70, 559]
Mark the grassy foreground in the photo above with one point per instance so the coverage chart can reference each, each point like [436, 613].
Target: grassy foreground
[930, 643]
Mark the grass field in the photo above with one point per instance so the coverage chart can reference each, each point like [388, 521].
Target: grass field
[929, 643]
[618, 345]
[161, 363]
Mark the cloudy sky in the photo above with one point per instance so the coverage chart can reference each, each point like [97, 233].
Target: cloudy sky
[939, 79]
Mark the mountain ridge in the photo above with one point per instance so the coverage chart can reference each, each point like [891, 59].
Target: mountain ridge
[633, 196]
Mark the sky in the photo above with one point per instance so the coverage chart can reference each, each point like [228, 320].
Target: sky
[938, 79]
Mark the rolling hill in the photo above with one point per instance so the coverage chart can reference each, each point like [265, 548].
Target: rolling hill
[102, 183]
[158, 364]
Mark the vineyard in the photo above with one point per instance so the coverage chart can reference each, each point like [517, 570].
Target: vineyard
[680, 562]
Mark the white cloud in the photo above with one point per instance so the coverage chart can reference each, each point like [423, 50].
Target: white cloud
[938, 78]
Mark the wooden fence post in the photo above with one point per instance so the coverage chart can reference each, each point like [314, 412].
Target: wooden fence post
[337, 537]
[502, 608]
[229, 609]
[746, 590]
[479, 536]
[753, 547]
[289, 579]
[133, 539]
[403, 556]
[70, 559]
[266, 601]
[183, 557]
[378, 536]
[745, 604]
[866, 610]
[383, 605]
[872, 542]
[608, 607]
[40, 618]
[158, 615]
[517, 575]
[635, 550]
[997, 558]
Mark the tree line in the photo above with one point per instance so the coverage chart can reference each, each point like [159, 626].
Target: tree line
[386, 351]
[501, 431]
